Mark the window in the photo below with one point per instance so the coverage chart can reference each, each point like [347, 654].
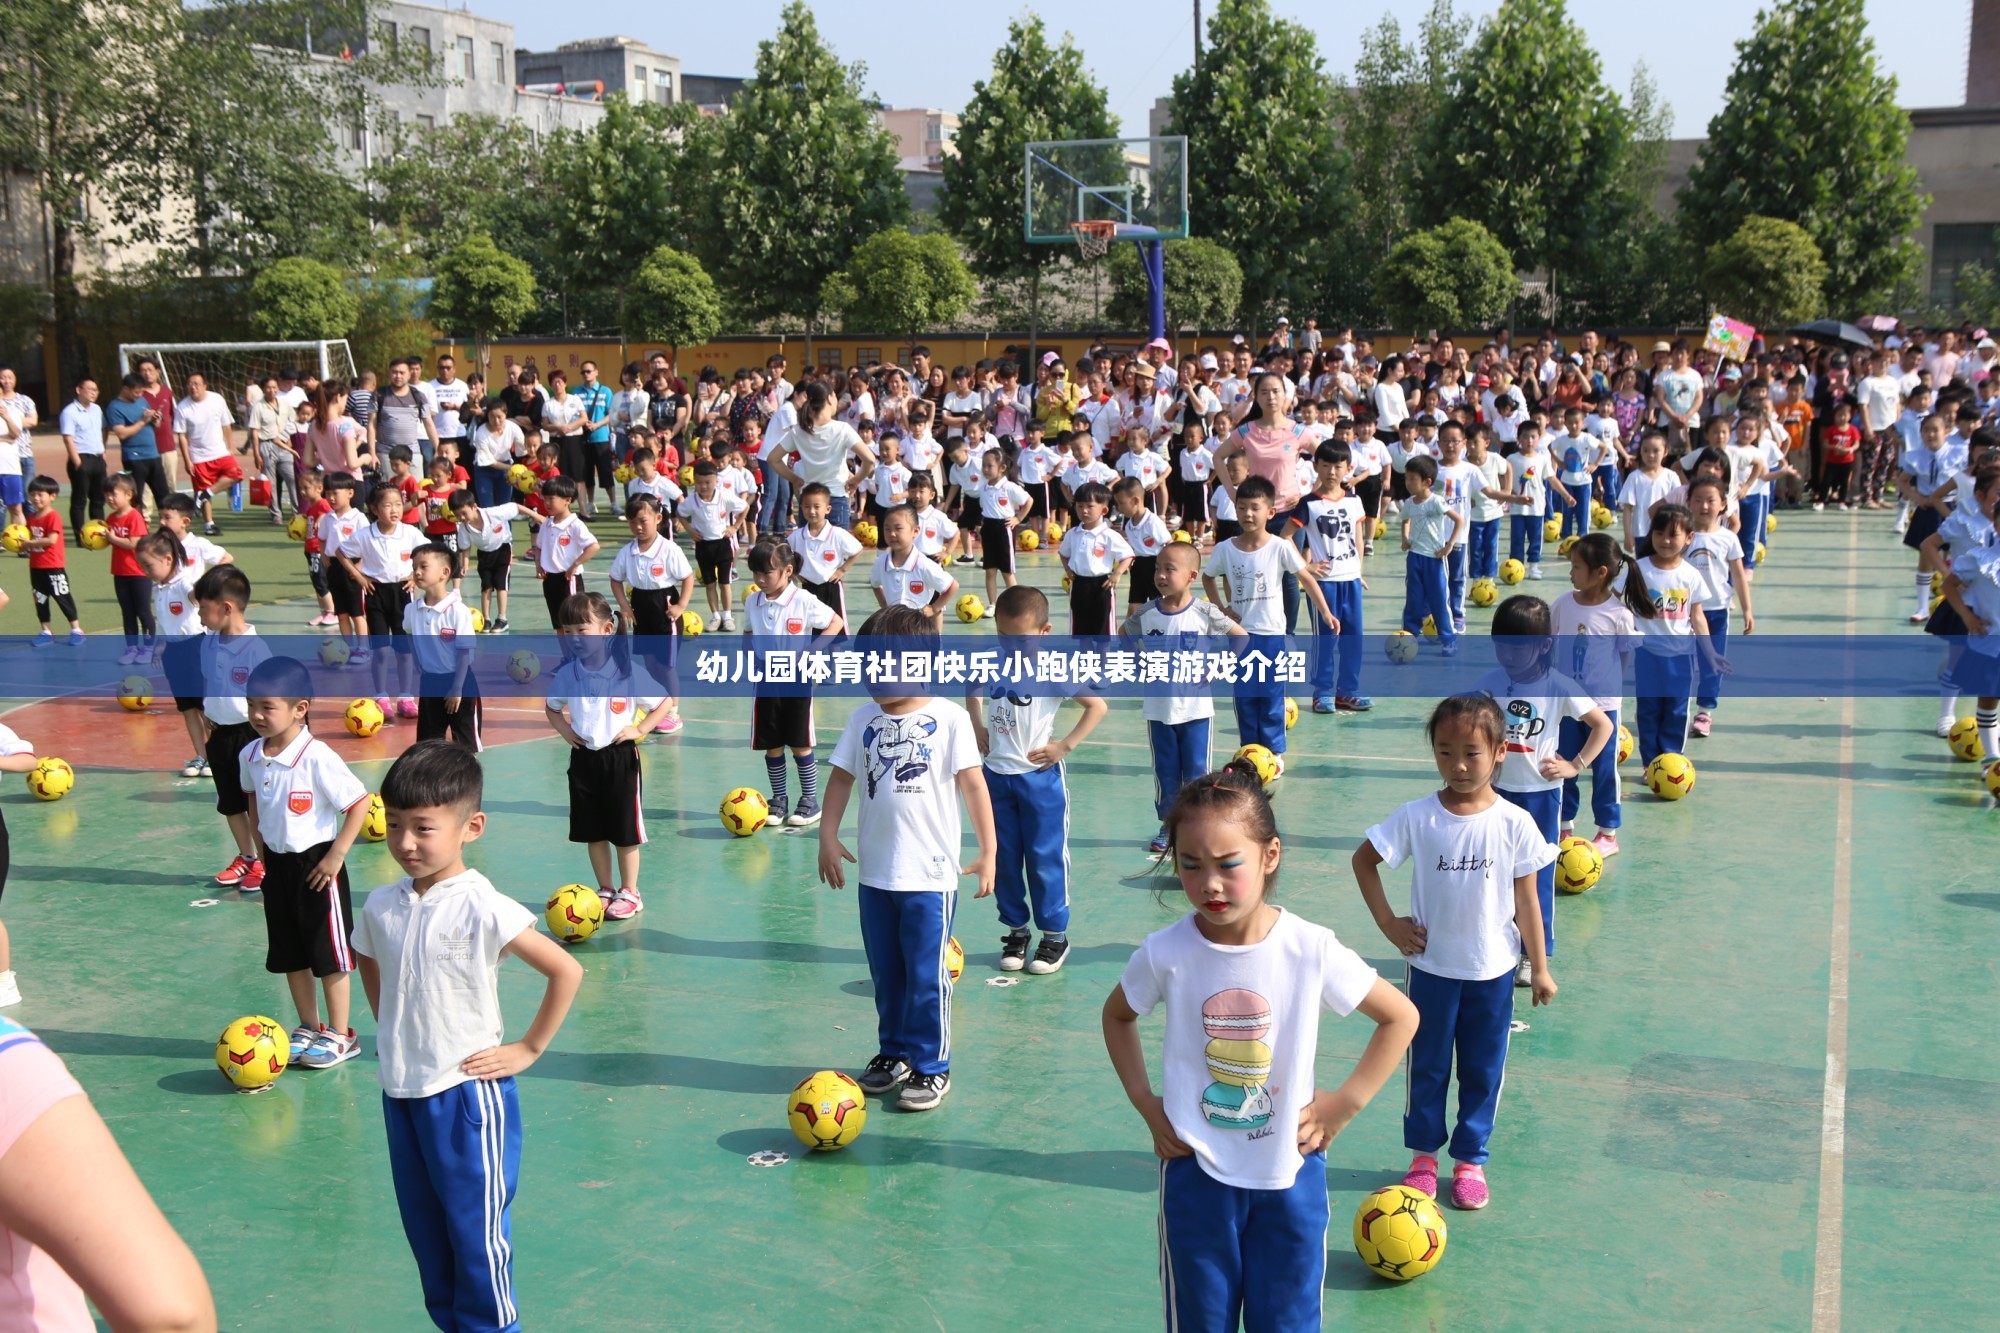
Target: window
[498, 55]
[933, 129]
[467, 70]
[1955, 246]
[418, 37]
[829, 358]
[867, 356]
[357, 136]
[426, 122]
[637, 91]
[663, 86]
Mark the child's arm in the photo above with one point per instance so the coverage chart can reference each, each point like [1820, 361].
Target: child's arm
[1329, 1112]
[1401, 931]
[1094, 711]
[1953, 588]
[1601, 732]
[327, 872]
[1406, 533]
[975, 708]
[1742, 578]
[128, 543]
[1311, 588]
[624, 604]
[371, 981]
[979, 809]
[1561, 490]
[1128, 1057]
[1457, 532]
[1528, 919]
[686, 592]
[562, 726]
[564, 974]
[1208, 591]
[833, 804]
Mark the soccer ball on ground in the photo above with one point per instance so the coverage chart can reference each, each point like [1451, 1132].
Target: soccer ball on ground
[1964, 739]
[1430, 627]
[574, 913]
[1760, 553]
[1055, 532]
[478, 621]
[1029, 539]
[954, 958]
[1578, 865]
[134, 693]
[970, 608]
[523, 666]
[691, 625]
[1512, 572]
[1260, 758]
[51, 779]
[375, 824]
[1401, 647]
[94, 536]
[1483, 592]
[1625, 743]
[827, 1110]
[1552, 530]
[1566, 545]
[1601, 516]
[1399, 1233]
[252, 1052]
[1671, 776]
[1381, 528]
[1181, 535]
[1771, 524]
[364, 717]
[334, 652]
[744, 811]
[298, 529]
[1291, 713]
[1992, 780]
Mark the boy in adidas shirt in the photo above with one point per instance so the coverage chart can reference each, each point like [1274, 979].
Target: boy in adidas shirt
[905, 576]
[712, 517]
[826, 552]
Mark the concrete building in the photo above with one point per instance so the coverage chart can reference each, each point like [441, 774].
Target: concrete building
[713, 93]
[619, 64]
[924, 136]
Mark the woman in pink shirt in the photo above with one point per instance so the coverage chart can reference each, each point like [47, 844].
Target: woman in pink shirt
[1271, 444]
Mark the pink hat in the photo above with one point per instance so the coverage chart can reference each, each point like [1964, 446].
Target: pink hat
[1050, 358]
[1160, 344]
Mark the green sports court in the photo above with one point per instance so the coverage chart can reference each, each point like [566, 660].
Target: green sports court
[1760, 1101]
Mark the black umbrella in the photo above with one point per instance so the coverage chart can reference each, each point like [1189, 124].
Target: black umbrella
[1834, 331]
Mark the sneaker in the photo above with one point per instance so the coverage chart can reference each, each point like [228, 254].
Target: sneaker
[10, 989]
[1449, 650]
[1458, 627]
[192, 768]
[302, 1040]
[1049, 955]
[75, 637]
[884, 1072]
[1323, 704]
[779, 813]
[1368, 548]
[1422, 1175]
[1158, 846]
[330, 1048]
[1534, 571]
[204, 766]
[498, 626]
[803, 817]
[1279, 760]
[234, 872]
[210, 530]
[1701, 724]
[670, 725]
[132, 656]
[359, 657]
[1606, 844]
[990, 613]
[322, 621]
[1013, 950]
[406, 707]
[1468, 1186]
[253, 879]
[624, 904]
[1524, 972]
[45, 640]
[923, 1092]
[1564, 833]
[1919, 617]
[1818, 505]
[1353, 703]
[388, 707]
[1944, 727]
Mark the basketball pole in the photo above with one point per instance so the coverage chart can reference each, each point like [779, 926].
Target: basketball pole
[1153, 258]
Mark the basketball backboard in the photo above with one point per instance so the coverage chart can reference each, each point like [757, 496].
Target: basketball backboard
[1140, 185]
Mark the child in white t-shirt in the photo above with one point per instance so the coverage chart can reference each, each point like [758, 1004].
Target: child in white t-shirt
[1489, 506]
[1333, 520]
[904, 575]
[1535, 484]
[1644, 488]
[1718, 554]
[1664, 670]
[1596, 625]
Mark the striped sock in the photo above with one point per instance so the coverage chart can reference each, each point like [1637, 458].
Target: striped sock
[808, 780]
[776, 769]
[1923, 593]
[1988, 721]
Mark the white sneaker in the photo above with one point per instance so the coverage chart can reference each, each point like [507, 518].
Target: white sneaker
[989, 614]
[10, 989]
[131, 656]
[1534, 571]
[192, 768]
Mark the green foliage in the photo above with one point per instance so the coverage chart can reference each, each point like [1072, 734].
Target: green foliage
[1769, 273]
[1398, 87]
[1976, 294]
[806, 173]
[298, 299]
[1810, 132]
[470, 174]
[1204, 285]
[902, 284]
[480, 289]
[671, 299]
[1267, 176]
[1640, 271]
[1452, 276]
[625, 186]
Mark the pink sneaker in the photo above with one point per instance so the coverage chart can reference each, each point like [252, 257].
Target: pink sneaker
[1702, 722]
[406, 706]
[1606, 844]
[669, 725]
[1422, 1175]
[388, 707]
[1468, 1186]
[624, 905]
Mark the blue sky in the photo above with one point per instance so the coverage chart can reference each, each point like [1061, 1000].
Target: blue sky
[929, 55]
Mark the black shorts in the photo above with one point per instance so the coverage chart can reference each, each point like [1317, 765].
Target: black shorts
[1923, 522]
[1090, 603]
[386, 605]
[1141, 575]
[715, 560]
[346, 593]
[306, 929]
[225, 754]
[1194, 501]
[316, 571]
[1369, 491]
[434, 723]
[604, 795]
[996, 545]
[777, 724]
[182, 660]
[494, 566]
[1225, 528]
[1038, 498]
[1945, 621]
[832, 592]
[653, 610]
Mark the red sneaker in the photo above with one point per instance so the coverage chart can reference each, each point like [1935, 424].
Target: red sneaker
[1422, 1175]
[1468, 1186]
[253, 879]
[1606, 844]
[234, 872]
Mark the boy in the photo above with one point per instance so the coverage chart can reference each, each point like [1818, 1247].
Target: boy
[440, 630]
[307, 809]
[1197, 468]
[230, 651]
[47, 573]
[1038, 463]
[1432, 530]
[647, 479]
[905, 576]
[917, 763]
[1489, 506]
[1334, 520]
[1533, 483]
[1025, 782]
[124, 525]
[712, 516]
[488, 533]
[1234, 470]
[177, 513]
[937, 535]
[825, 552]
[1095, 557]
[1458, 482]
[1177, 721]
[429, 948]
[1086, 470]
[339, 529]
[737, 481]
[890, 482]
[1144, 531]
[562, 547]
[1139, 463]
[1576, 453]
[312, 507]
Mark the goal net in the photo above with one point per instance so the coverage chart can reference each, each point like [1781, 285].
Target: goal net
[230, 368]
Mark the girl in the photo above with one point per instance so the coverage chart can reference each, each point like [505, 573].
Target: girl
[604, 706]
[1925, 480]
[336, 531]
[125, 525]
[779, 609]
[177, 644]
[378, 559]
[1489, 506]
[1539, 703]
[1197, 468]
[1596, 624]
[1239, 1127]
[1838, 444]
[905, 576]
[563, 545]
[1718, 554]
[439, 628]
[1473, 910]
[651, 581]
[1003, 505]
[1972, 586]
[1670, 636]
[1969, 528]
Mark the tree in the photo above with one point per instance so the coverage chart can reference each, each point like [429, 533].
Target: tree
[480, 289]
[672, 300]
[1267, 175]
[902, 284]
[473, 173]
[1452, 276]
[1810, 132]
[804, 173]
[1769, 274]
[1398, 87]
[301, 300]
[1204, 285]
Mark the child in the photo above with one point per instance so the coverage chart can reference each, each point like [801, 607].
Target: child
[1924, 478]
[784, 719]
[1333, 520]
[736, 481]
[125, 525]
[1240, 1127]
[47, 572]
[647, 479]
[1223, 499]
[379, 560]
[826, 552]
[1140, 463]
[177, 645]
[1644, 489]
[1838, 444]
[307, 809]
[712, 517]
[1596, 626]
[429, 948]
[487, 531]
[1432, 530]
[1197, 467]
[917, 763]
[937, 535]
[651, 581]
[177, 515]
[563, 546]
[1532, 486]
[438, 627]
[904, 575]
[1039, 462]
[890, 481]
[1085, 470]
[313, 507]
[1969, 528]
[1026, 784]
[604, 706]
[1489, 506]
[1473, 862]
[1577, 454]
[1178, 722]
[1670, 636]
[1536, 702]
[338, 530]
[1144, 531]
[16, 756]
[1718, 554]
[1972, 587]
[229, 651]
[961, 483]
[1458, 482]
[1003, 505]
[1095, 557]
[440, 523]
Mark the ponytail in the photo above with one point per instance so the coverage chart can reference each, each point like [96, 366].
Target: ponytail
[1599, 550]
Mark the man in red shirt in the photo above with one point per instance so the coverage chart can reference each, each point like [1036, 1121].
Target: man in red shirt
[161, 399]
[46, 571]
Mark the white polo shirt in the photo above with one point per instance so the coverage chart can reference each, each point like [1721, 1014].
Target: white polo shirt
[200, 554]
[439, 956]
[711, 519]
[302, 794]
[1147, 534]
[495, 529]
[660, 565]
[226, 665]
[794, 612]
[385, 556]
[1076, 476]
[174, 610]
[889, 479]
[560, 545]
[821, 556]
[1093, 552]
[658, 486]
[915, 584]
[934, 531]
[337, 531]
[604, 702]
[1002, 500]
[440, 634]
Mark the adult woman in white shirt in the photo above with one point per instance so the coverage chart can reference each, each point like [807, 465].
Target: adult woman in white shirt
[860, 401]
[817, 448]
[496, 444]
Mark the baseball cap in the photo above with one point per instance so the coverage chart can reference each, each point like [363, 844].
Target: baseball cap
[1986, 345]
[1732, 374]
[1208, 361]
[1283, 320]
[1482, 382]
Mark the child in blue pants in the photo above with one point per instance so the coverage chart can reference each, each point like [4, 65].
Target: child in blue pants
[1597, 628]
[1335, 524]
[1664, 671]
[1432, 530]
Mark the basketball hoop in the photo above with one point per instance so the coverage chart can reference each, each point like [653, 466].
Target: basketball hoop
[1093, 239]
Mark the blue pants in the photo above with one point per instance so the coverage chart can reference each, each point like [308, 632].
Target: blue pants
[904, 935]
[1344, 600]
[1575, 514]
[1483, 549]
[490, 486]
[1180, 755]
[1545, 808]
[1525, 529]
[1604, 802]
[1260, 705]
[1607, 485]
[838, 512]
[1708, 692]
[774, 514]
[1455, 568]
[1662, 684]
[456, 1158]
[1031, 824]
[1471, 1019]
[1427, 593]
[1232, 1257]
[1288, 586]
[1755, 515]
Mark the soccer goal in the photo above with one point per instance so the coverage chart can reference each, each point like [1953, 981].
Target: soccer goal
[229, 367]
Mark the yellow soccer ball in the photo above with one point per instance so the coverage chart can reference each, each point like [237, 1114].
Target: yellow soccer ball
[1992, 780]
[1602, 516]
[1260, 758]
[478, 621]
[1671, 776]
[1181, 535]
[1401, 647]
[691, 625]
[334, 652]
[298, 529]
[687, 476]
[865, 533]
[1483, 592]
[1566, 545]
[1770, 523]
[970, 608]
[1761, 552]
[364, 718]
[1964, 739]
[1291, 713]
[375, 824]
[744, 811]
[1381, 528]
[622, 473]
[252, 1052]
[523, 667]
[1430, 627]
[135, 694]
[1626, 743]
[574, 913]
[94, 536]
[1055, 531]
[1937, 583]
[1512, 572]
[1578, 865]
[14, 537]
[1399, 1233]
[51, 779]
[1029, 539]
[1552, 529]
[827, 1110]
[954, 958]
[522, 478]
